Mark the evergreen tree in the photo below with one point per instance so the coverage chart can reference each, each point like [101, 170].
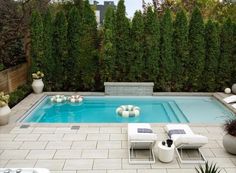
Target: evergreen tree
[73, 67]
[212, 56]
[152, 46]
[47, 62]
[180, 53]
[234, 57]
[60, 52]
[37, 48]
[88, 47]
[108, 48]
[196, 51]
[225, 64]
[137, 50]
[167, 61]
[122, 29]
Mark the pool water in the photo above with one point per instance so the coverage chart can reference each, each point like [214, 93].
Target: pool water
[102, 109]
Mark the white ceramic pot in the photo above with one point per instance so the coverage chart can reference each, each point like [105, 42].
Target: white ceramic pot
[37, 86]
[234, 88]
[4, 115]
[229, 142]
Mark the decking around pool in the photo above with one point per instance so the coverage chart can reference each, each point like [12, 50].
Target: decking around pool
[93, 148]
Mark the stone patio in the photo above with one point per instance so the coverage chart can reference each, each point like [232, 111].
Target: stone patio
[93, 148]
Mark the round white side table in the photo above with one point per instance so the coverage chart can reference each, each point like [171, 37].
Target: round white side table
[165, 153]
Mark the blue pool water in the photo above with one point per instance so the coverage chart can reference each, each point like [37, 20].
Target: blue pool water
[153, 110]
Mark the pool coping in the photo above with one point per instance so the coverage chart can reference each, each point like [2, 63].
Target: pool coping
[19, 111]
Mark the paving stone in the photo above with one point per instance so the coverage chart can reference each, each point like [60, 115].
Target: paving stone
[121, 171]
[41, 154]
[99, 137]
[110, 129]
[59, 145]
[3, 162]
[10, 145]
[21, 163]
[42, 130]
[62, 171]
[211, 144]
[158, 164]
[84, 145]
[78, 164]
[220, 152]
[126, 165]
[92, 171]
[14, 154]
[181, 171]
[222, 162]
[109, 145]
[74, 137]
[118, 153]
[67, 154]
[7, 137]
[33, 145]
[151, 171]
[65, 130]
[88, 130]
[107, 164]
[51, 137]
[234, 160]
[119, 137]
[207, 152]
[27, 137]
[230, 170]
[17, 130]
[50, 164]
[94, 154]
[124, 144]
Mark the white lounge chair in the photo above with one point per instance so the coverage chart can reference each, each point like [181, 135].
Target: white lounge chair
[141, 136]
[230, 99]
[184, 138]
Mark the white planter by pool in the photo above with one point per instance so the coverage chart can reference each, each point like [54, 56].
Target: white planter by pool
[229, 142]
[37, 86]
[4, 115]
[234, 88]
[24, 170]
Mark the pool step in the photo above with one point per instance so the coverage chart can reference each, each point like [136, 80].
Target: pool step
[178, 112]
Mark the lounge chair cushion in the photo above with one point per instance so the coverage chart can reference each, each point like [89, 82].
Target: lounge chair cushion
[234, 105]
[172, 127]
[134, 135]
[176, 131]
[190, 141]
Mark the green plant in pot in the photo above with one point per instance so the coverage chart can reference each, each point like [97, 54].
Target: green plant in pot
[37, 84]
[208, 168]
[4, 108]
[229, 139]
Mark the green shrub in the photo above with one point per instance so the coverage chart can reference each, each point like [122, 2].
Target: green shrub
[19, 94]
[1, 67]
[212, 168]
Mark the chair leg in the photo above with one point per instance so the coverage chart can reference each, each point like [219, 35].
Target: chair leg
[180, 156]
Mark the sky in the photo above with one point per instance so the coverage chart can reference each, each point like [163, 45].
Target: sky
[131, 5]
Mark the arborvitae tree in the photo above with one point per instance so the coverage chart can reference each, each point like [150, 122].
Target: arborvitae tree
[196, 51]
[226, 46]
[60, 51]
[122, 29]
[234, 56]
[212, 56]
[88, 47]
[167, 61]
[47, 62]
[180, 52]
[137, 48]
[152, 46]
[108, 52]
[73, 66]
[37, 48]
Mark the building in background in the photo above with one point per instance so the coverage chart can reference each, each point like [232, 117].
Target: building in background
[101, 9]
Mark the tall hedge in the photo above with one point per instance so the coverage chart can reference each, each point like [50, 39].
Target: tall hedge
[60, 50]
[226, 47]
[47, 60]
[108, 52]
[73, 66]
[167, 61]
[197, 51]
[233, 76]
[212, 56]
[152, 46]
[180, 50]
[88, 48]
[137, 48]
[37, 42]
[122, 40]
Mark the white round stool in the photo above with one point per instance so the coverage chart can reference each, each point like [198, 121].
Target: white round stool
[165, 153]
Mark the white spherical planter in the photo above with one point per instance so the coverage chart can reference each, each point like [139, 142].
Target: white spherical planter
[234, 88]
[4, 115]
[37, 86]
[227, 90]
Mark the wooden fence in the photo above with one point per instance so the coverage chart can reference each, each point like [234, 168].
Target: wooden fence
[13, 77]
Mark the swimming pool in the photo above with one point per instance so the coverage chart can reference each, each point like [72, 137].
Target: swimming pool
[156, 109]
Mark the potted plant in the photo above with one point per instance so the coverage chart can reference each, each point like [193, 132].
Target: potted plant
[212, 168]
[37, 84]
[4, 108]
[229, 139]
